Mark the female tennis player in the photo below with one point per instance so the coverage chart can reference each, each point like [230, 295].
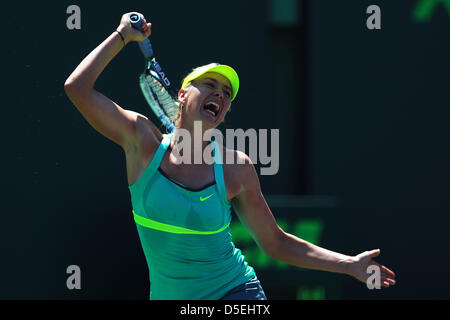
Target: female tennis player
[182, 211]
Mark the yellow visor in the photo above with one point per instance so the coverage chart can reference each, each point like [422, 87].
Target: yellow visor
[224, 70]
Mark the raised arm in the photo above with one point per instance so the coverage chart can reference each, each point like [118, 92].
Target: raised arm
[253, 211]
[102, 113]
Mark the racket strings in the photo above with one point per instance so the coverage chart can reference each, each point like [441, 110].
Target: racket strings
[165, 100]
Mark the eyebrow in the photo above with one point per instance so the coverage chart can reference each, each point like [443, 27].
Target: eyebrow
[215, 81]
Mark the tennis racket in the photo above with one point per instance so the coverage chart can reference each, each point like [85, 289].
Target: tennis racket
[154, 84]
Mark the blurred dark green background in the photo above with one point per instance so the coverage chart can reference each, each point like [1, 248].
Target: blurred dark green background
[364, 151]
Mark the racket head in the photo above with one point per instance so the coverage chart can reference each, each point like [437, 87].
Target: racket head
[159, 95]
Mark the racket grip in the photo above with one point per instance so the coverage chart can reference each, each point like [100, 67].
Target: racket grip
[145, 46]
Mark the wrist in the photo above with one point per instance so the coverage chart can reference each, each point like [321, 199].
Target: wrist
[347, 266]
[122, 32]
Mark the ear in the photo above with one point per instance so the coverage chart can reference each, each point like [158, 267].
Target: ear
[181, 95]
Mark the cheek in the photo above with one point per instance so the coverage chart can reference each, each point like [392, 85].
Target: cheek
[226, 111]
[191, 98]
[197, 96]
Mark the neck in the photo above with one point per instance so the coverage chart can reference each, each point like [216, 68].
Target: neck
[188, 143]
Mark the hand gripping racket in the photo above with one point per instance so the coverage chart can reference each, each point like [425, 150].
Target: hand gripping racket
[154, 84]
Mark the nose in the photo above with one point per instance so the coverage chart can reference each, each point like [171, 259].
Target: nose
[219, 93]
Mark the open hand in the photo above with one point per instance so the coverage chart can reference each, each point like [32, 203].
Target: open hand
[360, 263]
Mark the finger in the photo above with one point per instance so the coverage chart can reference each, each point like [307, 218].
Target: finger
[391, 281]
[387, 271]
[374, 253]
[387, 276]
[388, 279]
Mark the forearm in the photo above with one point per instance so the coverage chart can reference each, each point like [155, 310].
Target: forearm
[298, 252]
[87, 72]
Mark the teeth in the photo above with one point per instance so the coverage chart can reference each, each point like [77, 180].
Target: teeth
[213, 110]
[213, 104]
[210, 112]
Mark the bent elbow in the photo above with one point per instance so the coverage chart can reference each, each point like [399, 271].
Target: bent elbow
[70, 87]
[74, 86]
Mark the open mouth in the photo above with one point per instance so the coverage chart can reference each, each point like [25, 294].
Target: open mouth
[212, 108]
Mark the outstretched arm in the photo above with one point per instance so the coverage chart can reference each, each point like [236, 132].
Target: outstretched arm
[255, 214]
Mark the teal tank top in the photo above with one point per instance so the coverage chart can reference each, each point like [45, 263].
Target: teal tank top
[185, 234]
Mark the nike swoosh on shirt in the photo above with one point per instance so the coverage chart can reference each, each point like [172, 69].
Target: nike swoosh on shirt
[203, 199]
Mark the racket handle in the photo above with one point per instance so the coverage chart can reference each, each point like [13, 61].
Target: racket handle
[145, 46]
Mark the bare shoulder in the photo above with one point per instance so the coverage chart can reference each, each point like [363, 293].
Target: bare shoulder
[239, 172]
[146, 138]
[147, 133]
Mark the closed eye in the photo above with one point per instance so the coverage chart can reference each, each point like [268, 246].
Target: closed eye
[210, 85]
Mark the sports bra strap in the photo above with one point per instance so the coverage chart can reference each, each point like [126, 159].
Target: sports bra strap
[218, 173]
[159, 154]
